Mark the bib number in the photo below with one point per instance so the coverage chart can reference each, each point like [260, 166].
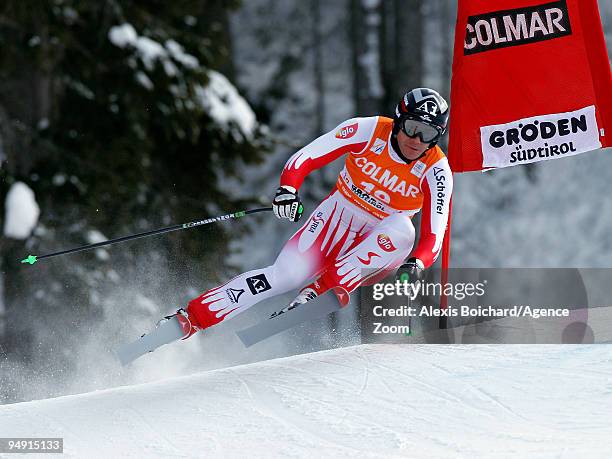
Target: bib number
[378, 194]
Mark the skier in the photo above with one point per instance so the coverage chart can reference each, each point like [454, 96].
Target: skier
[362, 231]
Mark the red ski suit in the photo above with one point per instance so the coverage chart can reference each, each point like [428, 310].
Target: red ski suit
[360, 233]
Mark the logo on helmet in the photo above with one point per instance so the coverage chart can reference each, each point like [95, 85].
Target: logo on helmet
[429, 106]
[347, 132]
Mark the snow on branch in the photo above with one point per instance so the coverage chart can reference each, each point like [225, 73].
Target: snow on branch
[225, 105]
[22, 211]
[151, 51]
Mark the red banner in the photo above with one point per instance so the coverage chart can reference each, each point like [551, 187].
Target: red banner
[531, 82]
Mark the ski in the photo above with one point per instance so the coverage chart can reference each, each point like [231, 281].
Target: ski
[285, 319]
[284, 310]
[167, 331]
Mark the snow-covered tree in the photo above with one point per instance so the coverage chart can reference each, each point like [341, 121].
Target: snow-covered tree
[119, 117]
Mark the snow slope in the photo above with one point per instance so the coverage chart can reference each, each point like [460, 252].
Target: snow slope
[364, 401]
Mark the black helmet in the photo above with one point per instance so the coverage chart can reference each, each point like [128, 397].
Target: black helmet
[422, 105]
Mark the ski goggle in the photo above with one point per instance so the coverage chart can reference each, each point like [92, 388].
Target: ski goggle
[415, 128]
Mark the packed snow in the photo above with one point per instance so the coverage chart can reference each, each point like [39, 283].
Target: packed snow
[22, 211]
[365, 401]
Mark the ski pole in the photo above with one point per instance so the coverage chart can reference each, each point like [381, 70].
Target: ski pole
[31, 259]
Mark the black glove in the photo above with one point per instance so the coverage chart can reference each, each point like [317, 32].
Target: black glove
[287, 204]
[411, 271]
